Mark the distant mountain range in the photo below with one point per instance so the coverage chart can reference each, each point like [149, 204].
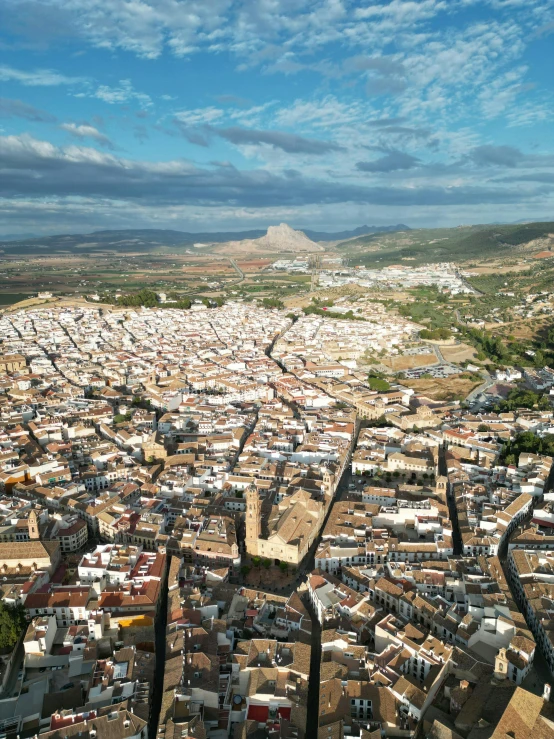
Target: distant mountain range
[127, 240]
[17, 237]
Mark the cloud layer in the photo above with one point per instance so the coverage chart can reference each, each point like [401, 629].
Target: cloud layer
[338, 108]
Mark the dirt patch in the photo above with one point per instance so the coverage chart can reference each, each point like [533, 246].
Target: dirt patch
[252, 265]
[399, 363]
[458, 353]
[451, 388]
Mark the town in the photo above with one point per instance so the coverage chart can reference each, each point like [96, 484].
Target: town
[214, 522]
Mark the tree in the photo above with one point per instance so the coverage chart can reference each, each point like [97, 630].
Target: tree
[378, 383]
[266, 563]
[145, 297]
[12, 623]
[483, 427]
[273, 303]
[256, 561]
[437, 334]
[283, 566]
[245, 569]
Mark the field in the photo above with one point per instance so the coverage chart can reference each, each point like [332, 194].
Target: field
[106, 274]
[399, 363]
[451, 388]
[7, 298]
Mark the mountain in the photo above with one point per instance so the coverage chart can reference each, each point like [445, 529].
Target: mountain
[150, 239]
[360, 231]
[280, 238]
[124, 240]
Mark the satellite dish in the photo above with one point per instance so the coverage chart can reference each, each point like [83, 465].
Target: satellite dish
[237, 700]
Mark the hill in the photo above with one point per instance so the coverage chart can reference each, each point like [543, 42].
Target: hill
[461, 244]
[149, 240]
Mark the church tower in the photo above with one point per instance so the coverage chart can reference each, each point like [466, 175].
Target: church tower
[441, 487]
[253, 519]
[34, 533]
[328, 483]
[501, 665]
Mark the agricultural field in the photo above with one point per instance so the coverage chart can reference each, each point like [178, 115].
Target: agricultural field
[106, 274]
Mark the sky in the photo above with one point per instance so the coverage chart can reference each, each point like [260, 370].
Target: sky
[203, 115]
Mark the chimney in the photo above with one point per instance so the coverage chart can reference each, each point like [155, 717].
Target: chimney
[546, 692]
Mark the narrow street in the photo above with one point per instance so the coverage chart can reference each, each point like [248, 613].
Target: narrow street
[541, 673]
[452, 510]
[314, 681]
[160, 625]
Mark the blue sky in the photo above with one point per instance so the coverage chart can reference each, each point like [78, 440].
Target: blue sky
[233, 114]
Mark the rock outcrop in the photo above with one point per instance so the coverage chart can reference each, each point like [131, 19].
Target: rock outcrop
[280, 238]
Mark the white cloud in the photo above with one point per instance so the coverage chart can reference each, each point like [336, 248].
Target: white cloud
[37, 77]
[86, 131]
[200, 116]
[121, 94]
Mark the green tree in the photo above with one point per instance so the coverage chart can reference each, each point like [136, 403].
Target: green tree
[378, 383]
[12, 623]
[266, 563]
[273, 303]
[145, 297]
[245, 569]
[283, 566]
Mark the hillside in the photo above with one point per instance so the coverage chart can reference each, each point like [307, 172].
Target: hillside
[461, 244]
[352, 234]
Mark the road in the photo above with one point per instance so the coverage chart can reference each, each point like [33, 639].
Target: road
[466, 283]
[238, 270]
[441, 358]
[474, 394]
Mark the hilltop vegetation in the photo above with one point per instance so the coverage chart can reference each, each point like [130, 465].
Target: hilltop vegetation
[446, 244]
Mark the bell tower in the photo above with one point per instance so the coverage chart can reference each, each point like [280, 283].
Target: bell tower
[253, 519]
[501, 665]
[441, 487]
[328, 481]
[32, 523]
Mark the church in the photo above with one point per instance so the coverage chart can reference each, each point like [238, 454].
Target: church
[292, 526]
